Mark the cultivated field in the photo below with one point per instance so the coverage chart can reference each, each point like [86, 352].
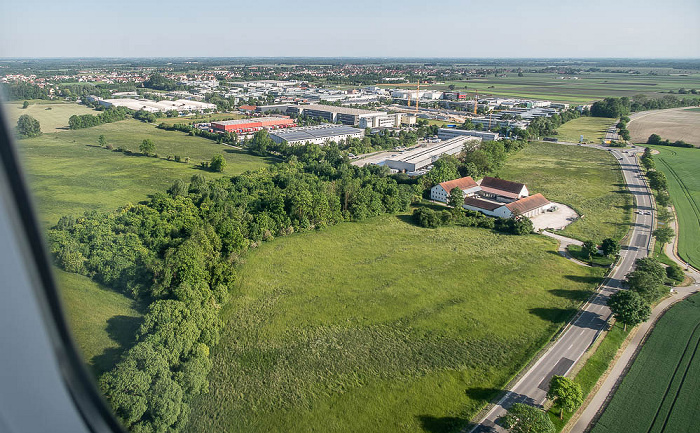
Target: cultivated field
[103, 322]
[52, 116]
[660, 392]
[589, 86]
[673, 124]
[69, 174]
[382, 326]
[588, 180]
[592, 128]
[681, 169]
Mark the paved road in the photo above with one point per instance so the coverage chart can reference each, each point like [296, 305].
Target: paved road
[560, 358]
[607, 388]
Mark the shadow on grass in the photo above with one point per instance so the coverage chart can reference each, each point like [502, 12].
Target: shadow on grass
[408, 219]
[554, 315]
[483, 394]
[574, 295]
[122, 330]
[445, 424]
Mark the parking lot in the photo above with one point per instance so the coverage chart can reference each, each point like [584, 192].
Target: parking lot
[556, 220]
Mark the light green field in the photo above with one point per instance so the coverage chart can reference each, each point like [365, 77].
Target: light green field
[103, 322]
[588, 88]
[382, 326]
[68, 174]
[51, 120]
[588, 180]
[592, 128]
[660, 391]
[681, 169]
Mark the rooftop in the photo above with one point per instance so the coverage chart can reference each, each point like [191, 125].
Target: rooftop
[482, 204]
[315, 132]
[501, 185]
[461, 183]
[340, 110]
[527, 204]
[253, 120]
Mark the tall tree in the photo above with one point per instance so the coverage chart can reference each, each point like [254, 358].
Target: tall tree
[28, 127]
[663, 235]
[147, 147]
[589, 248]
[610, 247]
[218, 163]
[523, 418]
[456, 199]
[565, 393]
[628, 307]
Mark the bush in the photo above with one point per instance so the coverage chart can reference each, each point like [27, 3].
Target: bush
[675, 273]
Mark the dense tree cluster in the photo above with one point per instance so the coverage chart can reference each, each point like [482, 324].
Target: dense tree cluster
[617, 107]
[111, 114]
[657, 180]
[28, 127]
[229, 137]
[647, 279]
[523, 418]
[159, 82]
[175, 252]
[629, 308]
[429, 218]
[656, 139]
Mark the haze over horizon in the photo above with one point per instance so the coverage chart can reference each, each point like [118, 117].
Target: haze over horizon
[407, 29]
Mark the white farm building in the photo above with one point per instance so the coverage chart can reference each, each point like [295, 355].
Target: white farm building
[441, 191]
[528, 206]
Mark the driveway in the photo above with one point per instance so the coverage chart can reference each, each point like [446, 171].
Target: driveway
[556, 220]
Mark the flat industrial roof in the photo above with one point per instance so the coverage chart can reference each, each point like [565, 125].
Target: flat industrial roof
[341, 110]
[253, 120]
[315, 132]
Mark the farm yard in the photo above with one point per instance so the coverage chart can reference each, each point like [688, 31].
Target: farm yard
[660, 391]
[672, 124]
[681, 169]
[382, 326]
[70, 174]
[586, 179]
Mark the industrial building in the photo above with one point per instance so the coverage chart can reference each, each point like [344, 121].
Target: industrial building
[180, 105]
[422, 157]
[320, 134]
[252, 125]
[386, 121]
[447, 133]
[344, 115]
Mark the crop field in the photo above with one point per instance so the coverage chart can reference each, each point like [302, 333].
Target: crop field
[660, 392]
[588, 180]
[383, 326]
[672, 124]
[69, 174]
[588, 88]
[681, 169]
[103, 322]
[52, 116]
[592, 128]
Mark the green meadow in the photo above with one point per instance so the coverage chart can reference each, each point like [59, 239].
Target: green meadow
[592, 128]
[588, 180]
[383, 326]
[70, 174]
[680, 165]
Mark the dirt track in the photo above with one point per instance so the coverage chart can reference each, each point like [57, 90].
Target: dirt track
[672, 124]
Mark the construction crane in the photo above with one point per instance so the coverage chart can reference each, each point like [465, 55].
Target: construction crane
[417, 94]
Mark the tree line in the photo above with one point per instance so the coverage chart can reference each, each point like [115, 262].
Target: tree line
[616, 107]
[176, 252]
[111, 114]
[657, 140]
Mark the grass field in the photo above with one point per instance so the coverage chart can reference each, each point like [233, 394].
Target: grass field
[586, 179]
[69, 174]
[660, 392]
[103, 322]
[587, 88]
[673, 124]
[52, 116]
[681, 169]
[382, 326]
[592, 128]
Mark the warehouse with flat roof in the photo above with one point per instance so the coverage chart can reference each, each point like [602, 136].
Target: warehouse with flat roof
[422, 157]
[333, 114]
[320, 134]
[447, 133]
[252, 125]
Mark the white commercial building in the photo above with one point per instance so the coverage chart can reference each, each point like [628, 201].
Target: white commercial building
[447, 133]
[422, 157]
[320, 134]
[181, 105]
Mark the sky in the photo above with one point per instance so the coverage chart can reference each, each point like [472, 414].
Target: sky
[351, 28]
